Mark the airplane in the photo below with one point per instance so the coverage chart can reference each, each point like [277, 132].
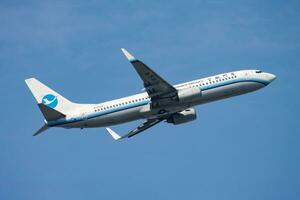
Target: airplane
[159, 101]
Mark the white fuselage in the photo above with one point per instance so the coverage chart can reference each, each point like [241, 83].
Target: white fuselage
[139, 106]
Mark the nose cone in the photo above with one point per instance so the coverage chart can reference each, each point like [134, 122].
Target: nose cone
[270, 77]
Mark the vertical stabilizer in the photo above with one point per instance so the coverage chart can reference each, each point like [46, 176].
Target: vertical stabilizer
[52, 104]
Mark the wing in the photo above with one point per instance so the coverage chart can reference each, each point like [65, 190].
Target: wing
[147, 124]
[156, 87]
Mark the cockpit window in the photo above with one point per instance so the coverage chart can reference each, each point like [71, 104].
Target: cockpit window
[258, 71]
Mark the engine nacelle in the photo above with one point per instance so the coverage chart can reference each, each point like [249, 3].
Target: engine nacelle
[183, 116]
[189, 94]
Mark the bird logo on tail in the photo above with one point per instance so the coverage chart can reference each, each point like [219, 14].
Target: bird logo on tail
[50, 100]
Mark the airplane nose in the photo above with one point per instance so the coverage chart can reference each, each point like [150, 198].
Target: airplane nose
[270, 77]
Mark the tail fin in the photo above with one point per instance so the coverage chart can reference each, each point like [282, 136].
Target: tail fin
[49, 113]
[52, 105]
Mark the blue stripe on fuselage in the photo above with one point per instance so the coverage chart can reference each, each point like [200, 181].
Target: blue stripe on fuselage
[232, 81]
[145, 102]
[100, 113]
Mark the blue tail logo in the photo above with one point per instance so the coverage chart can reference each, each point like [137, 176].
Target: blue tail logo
[50, 100]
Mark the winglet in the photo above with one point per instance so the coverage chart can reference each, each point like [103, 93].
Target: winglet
[113, 134]
[130, 57]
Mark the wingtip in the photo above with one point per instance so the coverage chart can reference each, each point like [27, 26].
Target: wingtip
[130, 57]
[114, 135]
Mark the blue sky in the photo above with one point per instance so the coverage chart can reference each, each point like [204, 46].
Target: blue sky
[241, 148]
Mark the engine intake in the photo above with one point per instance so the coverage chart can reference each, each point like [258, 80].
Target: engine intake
[183, 116]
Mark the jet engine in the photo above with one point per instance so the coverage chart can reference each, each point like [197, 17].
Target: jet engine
[189, 94]
[183, 116]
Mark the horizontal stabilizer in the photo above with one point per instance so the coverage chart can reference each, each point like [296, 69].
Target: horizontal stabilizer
[42, 129]
[49, 113]
[114, 134]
